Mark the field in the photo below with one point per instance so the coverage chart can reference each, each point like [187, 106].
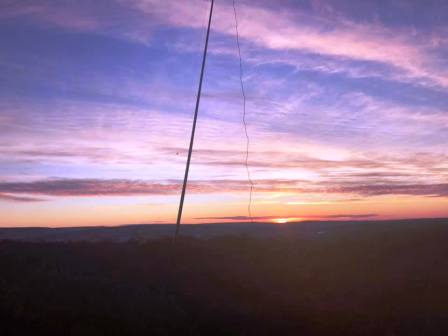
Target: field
[377, 278]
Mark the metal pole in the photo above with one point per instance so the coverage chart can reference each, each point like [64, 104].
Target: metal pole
[198, 99]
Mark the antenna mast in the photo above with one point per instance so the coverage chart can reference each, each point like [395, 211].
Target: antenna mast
[193, 129]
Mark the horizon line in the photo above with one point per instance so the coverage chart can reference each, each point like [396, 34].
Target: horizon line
[225, 223]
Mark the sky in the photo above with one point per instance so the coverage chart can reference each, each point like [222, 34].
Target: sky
[347, 111]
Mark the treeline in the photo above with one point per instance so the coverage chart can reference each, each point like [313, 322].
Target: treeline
[390, 281]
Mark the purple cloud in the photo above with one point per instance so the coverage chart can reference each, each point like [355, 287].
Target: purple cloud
[123, 187]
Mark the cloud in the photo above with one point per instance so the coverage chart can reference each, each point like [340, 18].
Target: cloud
[88, 187]
[66, 154]
[270, 218]
[413, 54]
[123, 187]
[116, 187]
[299, 31]
[19, 199]
[355, 166]
[63, 15]
[351, 216]
[238, 218]
[82, 16]
[435, 190]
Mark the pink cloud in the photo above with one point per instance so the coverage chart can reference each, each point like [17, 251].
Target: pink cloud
[19, 199]
[280, 30]
[327, 34]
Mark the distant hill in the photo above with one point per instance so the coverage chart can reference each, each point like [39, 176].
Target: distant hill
[308, 229]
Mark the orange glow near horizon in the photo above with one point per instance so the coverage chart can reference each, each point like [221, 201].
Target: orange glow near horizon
[111, 211]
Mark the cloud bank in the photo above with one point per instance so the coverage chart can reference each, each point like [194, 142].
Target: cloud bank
[122, 187]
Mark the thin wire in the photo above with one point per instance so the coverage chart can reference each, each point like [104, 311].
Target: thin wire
[249, 206]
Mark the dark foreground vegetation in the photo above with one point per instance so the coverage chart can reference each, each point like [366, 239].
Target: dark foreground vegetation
[372, 280]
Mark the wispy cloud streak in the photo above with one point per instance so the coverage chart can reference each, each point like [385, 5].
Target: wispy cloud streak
[122, 187]
[19, 199]
[299, 31]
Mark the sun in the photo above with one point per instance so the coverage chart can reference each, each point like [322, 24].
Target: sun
[281, 220]
[286, 220]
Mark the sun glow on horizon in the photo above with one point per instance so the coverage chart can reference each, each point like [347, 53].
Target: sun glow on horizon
[287, 220]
